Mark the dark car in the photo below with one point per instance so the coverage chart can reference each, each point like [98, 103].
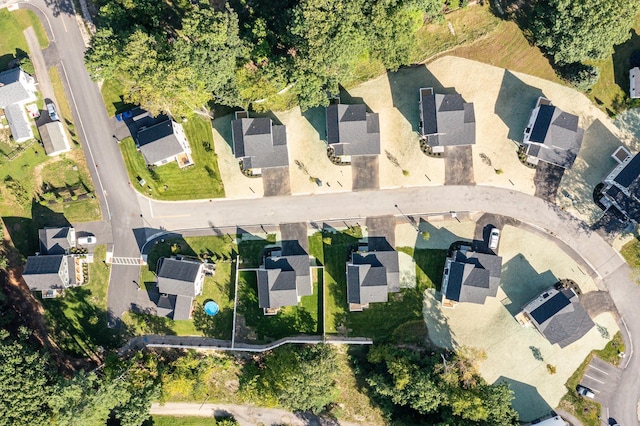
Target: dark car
[124, 115]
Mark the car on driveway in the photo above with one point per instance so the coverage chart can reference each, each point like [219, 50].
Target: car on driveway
[88, 240]
[51, 109]
[586, 392]
[494, 238]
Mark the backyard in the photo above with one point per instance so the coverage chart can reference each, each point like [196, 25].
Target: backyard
[170, 182]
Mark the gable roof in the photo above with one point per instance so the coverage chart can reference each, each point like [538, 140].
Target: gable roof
[43, 272]
[13, 87]
[18, 122]
[351, 130]
[259, 142]
[159, 142]
[447, 120]
[559, 316]
[281, 280]
[555, 137]
[56, 240]
[54, 138]
[178, 276]
[182, 308]
[371, 276]
[473, 276]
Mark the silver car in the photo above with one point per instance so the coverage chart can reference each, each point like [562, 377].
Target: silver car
[586, 392]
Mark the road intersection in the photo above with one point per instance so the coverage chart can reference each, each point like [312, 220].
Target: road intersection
[133, 217]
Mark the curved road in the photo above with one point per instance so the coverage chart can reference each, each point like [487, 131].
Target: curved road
[128, 210]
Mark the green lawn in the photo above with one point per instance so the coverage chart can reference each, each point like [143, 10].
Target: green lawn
[12, 40]
[199, 181]
[78, 321]
[218, 288]
[251, 250]
[631, 253]
[182, 421]
[112, 96]
[64, 110]
[429, 266]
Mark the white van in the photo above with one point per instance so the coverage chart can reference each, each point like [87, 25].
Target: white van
[494, 238]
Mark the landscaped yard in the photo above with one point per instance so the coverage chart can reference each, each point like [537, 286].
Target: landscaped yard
[218, 288]
[112, 96]
[631, 253]
[169, 182]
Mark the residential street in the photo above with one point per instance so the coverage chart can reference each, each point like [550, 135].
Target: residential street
[129, 211]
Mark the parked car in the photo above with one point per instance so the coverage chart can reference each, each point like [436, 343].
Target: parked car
[51, 108]
[88, 240]
[585, 391]
[494, 238]
[124, 115]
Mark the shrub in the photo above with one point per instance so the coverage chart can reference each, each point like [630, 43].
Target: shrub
[579, 75]
[551, 369]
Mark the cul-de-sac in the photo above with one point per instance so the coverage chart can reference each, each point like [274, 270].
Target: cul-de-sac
[319, 212]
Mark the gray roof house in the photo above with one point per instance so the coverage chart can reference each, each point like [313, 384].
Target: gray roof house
[282, 280]
[50, 274]
[470, 277]
[178, 282]
[371, 276]
[552, 135]
[164, 142]
[622, 185]
[259, 143]
[17, 88]
[351, 130]
[446, 120]
[57, 240]
[634, 83]
[54, 138]
[559, 316]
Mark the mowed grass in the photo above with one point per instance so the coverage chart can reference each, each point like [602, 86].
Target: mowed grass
[199, 181]
[12, 39]
[112, 96]
[219, 288]
[429, 266]
[64, 110]
[506, 47]
[631, 253]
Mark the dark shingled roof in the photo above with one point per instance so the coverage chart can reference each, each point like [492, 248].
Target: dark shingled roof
[259, 143]
[561, 318]
[447, 120]
[628, 176]
[282, 280]
[178, 277]
[42, 272]
[630, 205]
[54, 240]
[351, 130]
[371, 276]
[473, 277]
[158, 142]
[182, 308]
[555, 137]
[174, 307]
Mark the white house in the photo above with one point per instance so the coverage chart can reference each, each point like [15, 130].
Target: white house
[17, 88]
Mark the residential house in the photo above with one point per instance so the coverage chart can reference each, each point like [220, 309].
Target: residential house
[446, 120]
[17, 88]
[164, 142]
[634, 83]
[470, 277]
[179, 281]
[558, 315]
[552, 135]
[621, 189]
[352, 131]
[56, 240]
[50, 274]
[282, 280]
[371, 276]
[258, 143]
[54, 138]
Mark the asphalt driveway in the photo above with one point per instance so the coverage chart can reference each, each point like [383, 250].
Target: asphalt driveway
[547, 180]
[276, 181]
[458, 165]
[366, 172]
[382, 232]
[294, 238]
[602, 378]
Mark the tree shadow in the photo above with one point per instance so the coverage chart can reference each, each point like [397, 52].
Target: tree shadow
[527, 400]
[251, 249]
[405, 86]
[59, 7]
[521, 283]
[218, 326]
[515, 102]
[622, 54]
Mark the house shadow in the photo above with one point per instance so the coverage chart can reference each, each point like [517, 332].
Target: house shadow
[144, 240]
[430, 237]
[405, 85]
[438, 329]
[598, 144]
[527, 400]
[252, 249]
[521, 283]
[515, 102]
[318, 119]
[622, 60]
[347, 99]
[222, 125]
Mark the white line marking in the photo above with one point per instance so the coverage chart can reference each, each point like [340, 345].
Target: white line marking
[630, 342]
[593, 378]
[53, 37]
[596, 368]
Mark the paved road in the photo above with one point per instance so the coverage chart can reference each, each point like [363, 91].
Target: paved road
[120, 203]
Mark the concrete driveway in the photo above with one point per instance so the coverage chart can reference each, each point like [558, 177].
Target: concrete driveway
[458, 165]
[365, 172]
[276, 181]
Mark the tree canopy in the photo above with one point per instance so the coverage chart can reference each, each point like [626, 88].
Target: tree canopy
[575, 31]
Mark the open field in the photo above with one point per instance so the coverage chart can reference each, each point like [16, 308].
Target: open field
[200, 181]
